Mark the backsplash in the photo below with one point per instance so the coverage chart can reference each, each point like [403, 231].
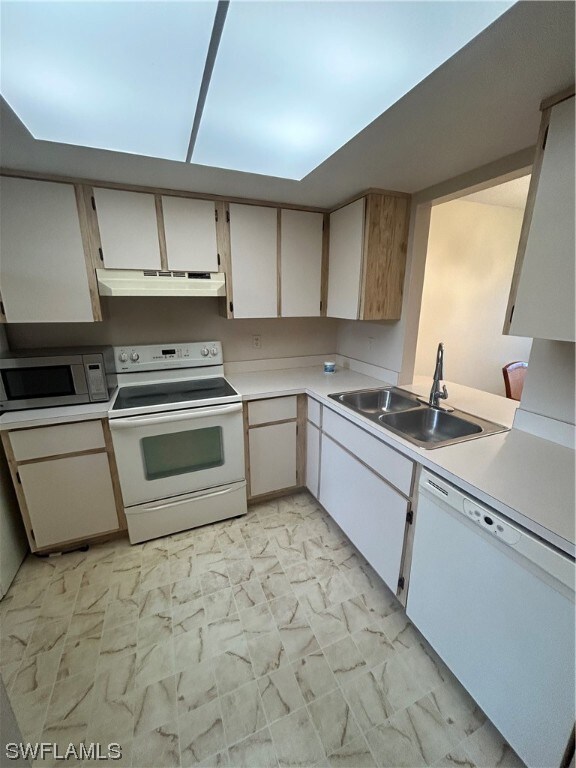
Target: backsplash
[156, 320]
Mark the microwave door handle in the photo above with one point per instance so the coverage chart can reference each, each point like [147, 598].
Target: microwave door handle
[200, 413]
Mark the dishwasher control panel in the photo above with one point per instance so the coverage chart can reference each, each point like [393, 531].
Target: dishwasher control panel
[483, 517]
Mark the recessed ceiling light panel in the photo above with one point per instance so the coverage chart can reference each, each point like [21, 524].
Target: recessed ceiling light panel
[119, 75]
[294, 81]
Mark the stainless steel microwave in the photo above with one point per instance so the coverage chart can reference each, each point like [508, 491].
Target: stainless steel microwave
[47, 378]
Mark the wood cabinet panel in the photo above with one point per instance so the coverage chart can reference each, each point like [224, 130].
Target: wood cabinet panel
[384, 264]
[128, 227]
[43, 275]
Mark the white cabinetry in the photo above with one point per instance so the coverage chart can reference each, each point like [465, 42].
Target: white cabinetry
[128, 227]
[254, 260]
[367, 257]
[369, 511]
[272, 445]
[301, 234]
[345, 261]
[64, 483]
[69, 498]
[43, 271]
[190, 230]
[365, 485]
[313, 441]
[542, 297]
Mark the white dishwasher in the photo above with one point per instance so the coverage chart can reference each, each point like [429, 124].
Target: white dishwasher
[497, 605]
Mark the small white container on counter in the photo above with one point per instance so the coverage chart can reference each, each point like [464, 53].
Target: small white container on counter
[329, 366]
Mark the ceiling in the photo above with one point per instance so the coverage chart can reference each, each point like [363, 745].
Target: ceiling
[264, 87]
[481, 105]
[511, 194]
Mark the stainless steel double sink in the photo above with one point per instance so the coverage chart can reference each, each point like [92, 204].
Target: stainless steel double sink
[404, 414]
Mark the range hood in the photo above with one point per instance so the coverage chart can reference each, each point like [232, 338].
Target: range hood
[150, 282]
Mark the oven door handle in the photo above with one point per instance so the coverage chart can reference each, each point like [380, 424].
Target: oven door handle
[200, 413]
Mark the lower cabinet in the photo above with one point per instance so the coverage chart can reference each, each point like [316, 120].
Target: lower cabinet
[273, 445]
[69, 498]
[64, 481]
[272, 458]
[369, 511]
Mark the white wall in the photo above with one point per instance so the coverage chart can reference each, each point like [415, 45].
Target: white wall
[154, 320]
[394, 345]
[471, 254]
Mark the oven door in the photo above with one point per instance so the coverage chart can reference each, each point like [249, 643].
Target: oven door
[174, 453]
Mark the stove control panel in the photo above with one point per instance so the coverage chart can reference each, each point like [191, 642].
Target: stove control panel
[160, 356]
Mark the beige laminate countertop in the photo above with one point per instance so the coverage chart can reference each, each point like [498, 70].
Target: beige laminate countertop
[44, 417]
[526, 478]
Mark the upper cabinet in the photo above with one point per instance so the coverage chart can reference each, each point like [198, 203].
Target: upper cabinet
[274, 261]
[367, 258]
[253, 274]
[45, 271]
[541, 303]
[190, 234]
[128, 227]
[301, 234]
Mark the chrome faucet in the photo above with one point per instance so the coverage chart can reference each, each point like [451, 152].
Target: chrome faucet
[437, 393]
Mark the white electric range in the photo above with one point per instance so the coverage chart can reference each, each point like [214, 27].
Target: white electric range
[178, 437]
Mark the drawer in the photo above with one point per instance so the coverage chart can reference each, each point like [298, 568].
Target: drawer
[60, 439]
[390, 464]
[274, 409]
[314, 411]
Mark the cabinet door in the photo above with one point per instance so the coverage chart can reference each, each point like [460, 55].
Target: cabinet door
[369, 511]
[253, 253]
[345, 260]
[69, 498]
[544, 306]
[272, 458]
[190, 229]
[312, 458]
[43, 272]
[300, 263]
[128, 229]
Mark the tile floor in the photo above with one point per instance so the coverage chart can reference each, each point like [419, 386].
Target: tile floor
[261, 641]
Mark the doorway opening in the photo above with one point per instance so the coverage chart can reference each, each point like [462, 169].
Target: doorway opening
[472, 245]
